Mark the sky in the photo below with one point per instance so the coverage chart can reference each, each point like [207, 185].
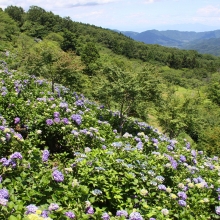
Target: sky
[134, 15]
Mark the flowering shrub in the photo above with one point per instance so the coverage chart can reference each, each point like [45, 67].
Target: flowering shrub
[73, 163]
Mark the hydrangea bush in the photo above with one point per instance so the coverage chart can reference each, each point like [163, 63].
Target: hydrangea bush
[62, 157]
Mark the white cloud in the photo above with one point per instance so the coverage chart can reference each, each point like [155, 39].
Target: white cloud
[209, 11]
[151, 1]
[52, 4]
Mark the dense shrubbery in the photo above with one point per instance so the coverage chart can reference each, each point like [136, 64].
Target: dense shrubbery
[62, 157]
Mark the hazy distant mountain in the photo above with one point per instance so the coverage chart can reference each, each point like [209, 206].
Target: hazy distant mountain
[207, 46]
[180, 39]
[197, 27]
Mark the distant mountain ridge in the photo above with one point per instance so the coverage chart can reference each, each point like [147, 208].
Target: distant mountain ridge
[181, 39]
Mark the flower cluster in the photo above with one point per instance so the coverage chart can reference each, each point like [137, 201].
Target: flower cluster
[58, 176]
[45, 155]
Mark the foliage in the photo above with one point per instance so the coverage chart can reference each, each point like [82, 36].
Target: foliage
[73, 164]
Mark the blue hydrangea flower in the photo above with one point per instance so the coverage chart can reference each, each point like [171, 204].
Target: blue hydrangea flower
[162, 187]
[56, 114]
[44, 213]
[105, 216]
[58, 176]
[70, 214]
[17, 120]
[89, 210]
[16, 155]
[77, 119]
[182, 195]
[49, 122]
[53, 207]
[182, 203]
[4, 193]
[135, 216]
[122, 213]
[45, 155]
[217, 210]
[31, 209]
[56, 120]
[3, 202]
[65, 121]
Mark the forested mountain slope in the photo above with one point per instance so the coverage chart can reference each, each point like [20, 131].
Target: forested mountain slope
[139, 80]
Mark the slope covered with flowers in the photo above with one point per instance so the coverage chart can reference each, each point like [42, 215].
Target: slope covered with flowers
[62, 157]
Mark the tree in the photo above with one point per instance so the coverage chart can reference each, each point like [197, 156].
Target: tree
[69, 41]
[171, 115]
[89, 56]
[121, 90]
[16, 13]
[214, 92]
[8, 27]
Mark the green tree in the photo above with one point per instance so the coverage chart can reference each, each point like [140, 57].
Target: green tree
[69, 41]
[8, 27]
[214, 92]
[119, 91]
[16, 13]
[171, 115]
[89, 56]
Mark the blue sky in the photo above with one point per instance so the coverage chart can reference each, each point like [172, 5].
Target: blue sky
[134, 15]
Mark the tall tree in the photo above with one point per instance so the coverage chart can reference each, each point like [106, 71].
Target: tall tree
[16, 13]
[89, 56]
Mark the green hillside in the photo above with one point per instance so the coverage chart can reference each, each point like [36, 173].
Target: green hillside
[76, 112]
[136, 79]
[64, 156]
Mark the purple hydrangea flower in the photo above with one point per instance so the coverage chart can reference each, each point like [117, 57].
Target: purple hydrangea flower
[182, 203]
[58, 176]
[65, 121]
[79, 102]
[152, 218]
[4, 194]
[6, 162]
[17, 120]
[71, 215]
[193, 152]
[104, 147]
[217, 210]
[31, 209]
[56, 120]
[135, 216]
[162, 187]
[18, 136]
[63, 105]
[77, 119]
[45, 155]
[56, 114]
[105, 216]
[16, 155]
[89, 210]
[0, 178]
[3, 201]
[139, 145]
[3, 159]
[2, 128]
[122, 213]
[115, 131]
[188, 145]
[174, 164]
[169, 147]
[182, 158]
[44, 213]
[8, 136]
[182, 195]
[53, 207]
[49, 122]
